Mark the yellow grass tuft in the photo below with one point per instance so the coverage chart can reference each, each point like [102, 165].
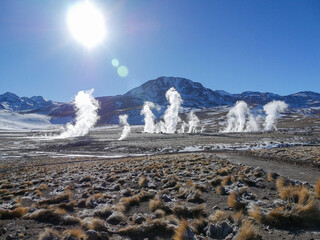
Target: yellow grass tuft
[221, 190]
[248, 232]
[49, 234]
[183, 232]
[15, 213]
[234, 201]
[74, 234]
[317, 189]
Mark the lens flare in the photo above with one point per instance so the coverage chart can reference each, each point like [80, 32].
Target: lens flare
[115, 62]
[123, 71]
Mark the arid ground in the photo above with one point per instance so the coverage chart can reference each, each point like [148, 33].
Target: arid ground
[158, 186]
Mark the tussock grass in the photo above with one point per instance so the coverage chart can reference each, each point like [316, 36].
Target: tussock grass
[74, 234]
[219, 216]
[159, 204]
[226, 181]
[183, 232]
[54, 216]
[127, 202]
[184, 212]
[15, 213]
[272, 176]
[158, 227]
[103, 213]
[248, 231]
[221, 190]
[49, 234]
[235, 202]
[57, 199]
[317, 189]
[143, 181]
[199, 225]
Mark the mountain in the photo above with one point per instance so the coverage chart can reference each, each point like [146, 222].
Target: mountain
[194, 95]
[12, 102]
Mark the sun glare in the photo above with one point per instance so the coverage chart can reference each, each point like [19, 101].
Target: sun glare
[86, 24]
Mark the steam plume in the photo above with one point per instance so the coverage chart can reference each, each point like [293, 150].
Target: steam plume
[193, 122]
[149, 125]
[126, 127]
[86, 107]
[183, 127]
[171, 117]
[272, 110]
[240, 119]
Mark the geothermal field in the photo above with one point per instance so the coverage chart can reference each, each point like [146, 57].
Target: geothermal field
[215, 173]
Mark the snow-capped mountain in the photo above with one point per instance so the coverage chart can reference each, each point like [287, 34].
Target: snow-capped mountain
[12, 102]
[194, 95]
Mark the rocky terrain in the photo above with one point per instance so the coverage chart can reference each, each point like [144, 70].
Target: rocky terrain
[210, 185]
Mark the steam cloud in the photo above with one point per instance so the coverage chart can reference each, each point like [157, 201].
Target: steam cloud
[237, 117]
[240, 118]
[123, 119]
[149, 125]
[86, 107]
[272, 110]
[193, 122]
[171, 115]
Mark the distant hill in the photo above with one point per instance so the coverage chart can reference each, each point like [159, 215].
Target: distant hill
[194, 94]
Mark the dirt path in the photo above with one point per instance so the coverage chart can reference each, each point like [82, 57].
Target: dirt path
[300, 173]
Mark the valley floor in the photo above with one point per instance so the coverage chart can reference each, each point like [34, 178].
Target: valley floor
[208, 186]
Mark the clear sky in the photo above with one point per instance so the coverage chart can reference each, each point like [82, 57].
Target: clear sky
[270, 45]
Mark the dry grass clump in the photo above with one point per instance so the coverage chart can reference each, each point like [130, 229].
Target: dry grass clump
[221, 190]
[158, 204]
[183, 212]
[282, 182]
[15, 213]
[127, 202]
[103, 213]
[57, 199]
[49, 234]
[183, 232]
[143, 182]
[295, 194]
[235, 202]
[150, 229]
[272, 176]
[219, 216]
[74, 234]
[198, 225]
[248, 231]
[54, 216]
[95, 224]
[292, 215]
[226, 181]
[317, 189]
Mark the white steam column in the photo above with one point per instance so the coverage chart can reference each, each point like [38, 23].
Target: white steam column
[86, 107]
[272, 110]
[193, 122]
[171, 117]
[149, 125]
[123, 119]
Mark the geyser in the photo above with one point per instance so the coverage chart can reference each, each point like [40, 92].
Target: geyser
[123, 119]
[272, 110]
[240, 119]
[171, 115]
[193, 122]
[86, 107]
[149, 125]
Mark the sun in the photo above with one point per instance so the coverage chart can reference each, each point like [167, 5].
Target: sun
[86, 24]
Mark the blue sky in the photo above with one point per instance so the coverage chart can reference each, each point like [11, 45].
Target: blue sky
[236, 46]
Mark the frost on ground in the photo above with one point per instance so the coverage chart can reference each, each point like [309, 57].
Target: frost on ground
[17, 121]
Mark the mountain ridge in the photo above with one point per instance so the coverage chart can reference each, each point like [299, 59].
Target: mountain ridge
[194, 95]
